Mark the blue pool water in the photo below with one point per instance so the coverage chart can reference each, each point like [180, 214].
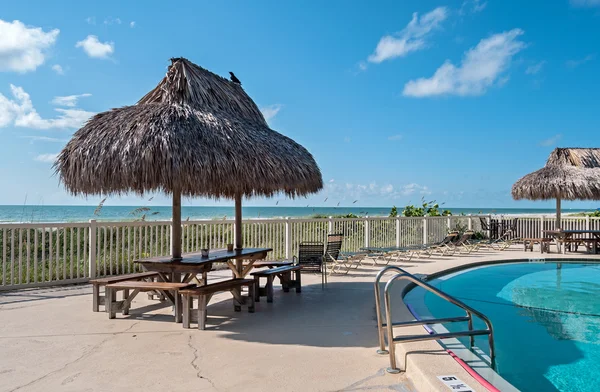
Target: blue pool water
[546, 319]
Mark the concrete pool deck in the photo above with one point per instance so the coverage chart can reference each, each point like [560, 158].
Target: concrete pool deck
[320, 340]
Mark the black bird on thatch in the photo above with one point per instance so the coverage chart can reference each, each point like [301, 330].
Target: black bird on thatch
[234, 79]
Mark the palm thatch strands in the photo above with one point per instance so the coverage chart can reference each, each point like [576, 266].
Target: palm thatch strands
[195, 134]
[569, 174]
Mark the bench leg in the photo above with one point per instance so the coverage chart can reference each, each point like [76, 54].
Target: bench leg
[202, 312]
[187, 308]
[251, 298]
[285, 281]
[178, 306]
[256, 289]
[96, 298]
[109, 303]
[298, 281]
[125, 296]
[269, 288]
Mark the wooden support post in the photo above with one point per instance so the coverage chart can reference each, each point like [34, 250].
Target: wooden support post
[92, 250]
[176, 226]
[238, 222]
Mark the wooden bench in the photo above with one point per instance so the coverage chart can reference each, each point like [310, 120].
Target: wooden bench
[98, 300]
[574, 243]
[544, 244]
[112, 306]
[285, 277]
[205, 293]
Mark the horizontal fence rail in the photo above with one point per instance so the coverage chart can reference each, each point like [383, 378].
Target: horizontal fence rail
[43, 254]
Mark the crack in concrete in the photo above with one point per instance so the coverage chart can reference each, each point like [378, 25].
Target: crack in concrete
[82, 356]
[195, 366]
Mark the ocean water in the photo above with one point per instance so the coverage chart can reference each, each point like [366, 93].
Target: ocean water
[40, 213]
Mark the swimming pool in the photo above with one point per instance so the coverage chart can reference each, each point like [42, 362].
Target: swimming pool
[546, 319]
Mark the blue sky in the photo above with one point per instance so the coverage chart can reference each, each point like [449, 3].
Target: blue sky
[451, 101]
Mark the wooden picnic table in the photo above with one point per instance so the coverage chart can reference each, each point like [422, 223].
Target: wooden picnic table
[193, 264]
[565, 236]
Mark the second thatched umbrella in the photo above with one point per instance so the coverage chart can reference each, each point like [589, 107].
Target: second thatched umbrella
[196, 134]
[569, 174]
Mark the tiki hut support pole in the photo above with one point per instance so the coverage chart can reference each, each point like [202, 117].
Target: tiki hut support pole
[558, 218]
[176, 226]
[238, 221]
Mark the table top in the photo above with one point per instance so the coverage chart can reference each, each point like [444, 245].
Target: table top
[214, 256]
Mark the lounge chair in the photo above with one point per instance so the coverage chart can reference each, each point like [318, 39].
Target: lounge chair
[463, 244]
[443, 247]
[501, 243]
[338, 261]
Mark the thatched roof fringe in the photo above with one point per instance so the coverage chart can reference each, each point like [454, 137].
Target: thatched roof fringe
[196, 132]
[569, 174]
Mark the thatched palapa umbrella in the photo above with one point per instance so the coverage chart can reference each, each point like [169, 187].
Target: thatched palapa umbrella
[569, 174]
[195, 134]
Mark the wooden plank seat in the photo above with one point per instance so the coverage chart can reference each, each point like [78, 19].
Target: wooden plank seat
[574, 243]
[285, 277]
[544, 244]
[98, 300]
[273, 264]
[205, 293]
[112, 306]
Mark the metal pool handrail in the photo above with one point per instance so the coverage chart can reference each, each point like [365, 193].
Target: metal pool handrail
[403, 275]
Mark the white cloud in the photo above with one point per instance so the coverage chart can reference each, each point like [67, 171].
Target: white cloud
[45, 139]
[389, 188]
[535, 68]
[58, 69]
[576, 63]
[472, 6]
[21, 113]
[413, 188]
[69, 100]
[111, 20]
[94, 48]
[550, 142]
[23, 48]
[132, 24]
[585, 3]
[395, 137]
[482, 67]
[91, 20]
[46, 158]
[411, 38]
[269, 112]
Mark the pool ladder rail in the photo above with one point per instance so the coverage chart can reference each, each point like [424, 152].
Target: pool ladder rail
[389, 326]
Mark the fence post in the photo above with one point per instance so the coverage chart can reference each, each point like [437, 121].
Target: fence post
[93, 250]
[424, 230]
[489, 224]
[171, 235]
[367, 233]
[541, 226]
[288, 238]
[587, 222]
[397, 232]
[449, 223]
[470, 224]
[330, 225]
